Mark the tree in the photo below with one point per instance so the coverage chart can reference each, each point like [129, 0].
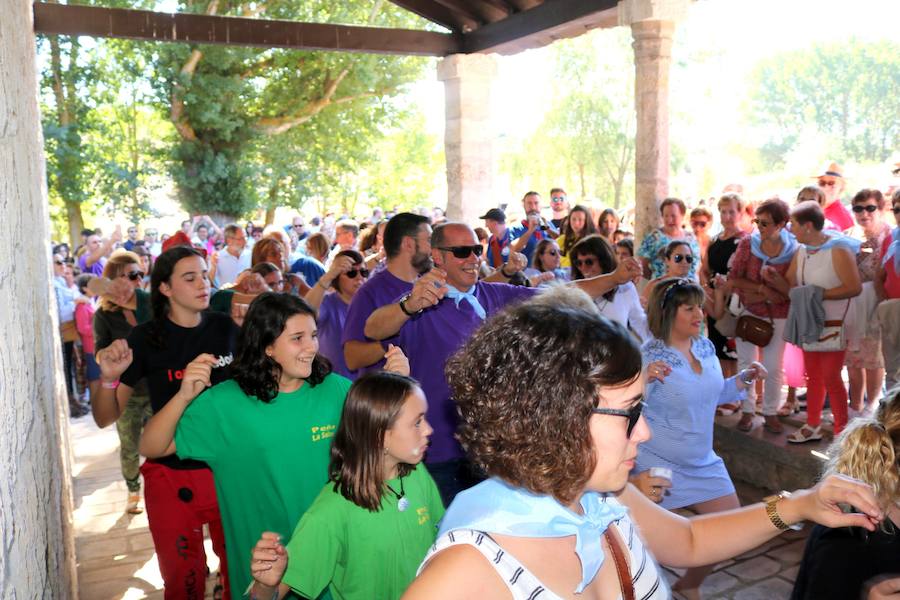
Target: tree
[227, 104]
[848, 91]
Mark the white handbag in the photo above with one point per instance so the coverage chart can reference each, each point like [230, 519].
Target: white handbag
[832, 337]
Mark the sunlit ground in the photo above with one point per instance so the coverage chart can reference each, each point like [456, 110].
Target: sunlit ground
[114, 551]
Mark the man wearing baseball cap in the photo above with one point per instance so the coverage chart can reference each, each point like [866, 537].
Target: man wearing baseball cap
[499, 242]
[832, 183]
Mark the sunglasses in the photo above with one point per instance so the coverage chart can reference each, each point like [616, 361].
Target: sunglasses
[761, 223]
[827, 183]
[298, 226]
[134, 275]
[584, 262]
[699, 223]
[353, 272]
[688, 258]
[869, 208]
[59, 262]
[558, 199]
[633, 414]
[464, 251]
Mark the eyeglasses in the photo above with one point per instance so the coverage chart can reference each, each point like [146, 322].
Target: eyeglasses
[462, 252]
[300, 226]
[761, 223]
[557, 199]
[633, 414]
[699, 223]
[551, 252]
[869, 208]
[584, 262]
[134, 275]
[353, 272]
[688, 258]
[823, 183]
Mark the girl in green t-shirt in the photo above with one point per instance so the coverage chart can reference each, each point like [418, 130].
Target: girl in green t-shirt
[374, 521]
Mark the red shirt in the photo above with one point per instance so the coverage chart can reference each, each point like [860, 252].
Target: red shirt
[892, 278]
[838, 214]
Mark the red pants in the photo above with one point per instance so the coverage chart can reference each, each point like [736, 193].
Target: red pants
[823, 372]
[179, 502]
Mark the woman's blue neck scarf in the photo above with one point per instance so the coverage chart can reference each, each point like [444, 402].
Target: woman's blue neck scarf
[893, 250]
[836, 239]
[494, 506]
[788, 248]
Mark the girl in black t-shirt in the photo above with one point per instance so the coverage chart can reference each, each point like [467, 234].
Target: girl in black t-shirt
[179, 494]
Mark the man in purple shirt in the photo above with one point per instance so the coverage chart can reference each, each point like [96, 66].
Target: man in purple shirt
[437, 317]
[96, 250]
[407, 247]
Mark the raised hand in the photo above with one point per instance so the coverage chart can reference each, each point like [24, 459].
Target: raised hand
[339, 265]
[396, 361]
[627, 270]
[268, 560]
[114, 360]
[197, 376]
[516, 262]
[428, 290]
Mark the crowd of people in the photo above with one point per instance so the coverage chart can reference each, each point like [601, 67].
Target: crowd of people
[402, 405]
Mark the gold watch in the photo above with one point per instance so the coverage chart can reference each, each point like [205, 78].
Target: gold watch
[772, 512]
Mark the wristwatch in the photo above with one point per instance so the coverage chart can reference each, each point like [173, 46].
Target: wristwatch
[772, 512]
[405, 310]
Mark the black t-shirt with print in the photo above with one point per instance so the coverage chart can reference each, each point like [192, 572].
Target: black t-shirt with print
[164, 367]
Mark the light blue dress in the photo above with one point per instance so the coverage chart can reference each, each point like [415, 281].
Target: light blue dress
[654, 245]
[681, 413]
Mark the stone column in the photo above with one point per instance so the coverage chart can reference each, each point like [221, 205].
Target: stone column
[468, 134]
[652, 25]
[37, 557]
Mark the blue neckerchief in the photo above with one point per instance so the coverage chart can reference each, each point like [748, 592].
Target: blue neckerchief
[893, 250]
[469, 296]
[837, 239]
[494, 506]
[788, 248]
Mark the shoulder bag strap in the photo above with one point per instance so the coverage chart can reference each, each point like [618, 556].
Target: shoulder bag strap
[621, 565]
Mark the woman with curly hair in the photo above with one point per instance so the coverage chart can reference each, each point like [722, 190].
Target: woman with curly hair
[579, 225]
[837, 563]
[266, 433]
[557, 434]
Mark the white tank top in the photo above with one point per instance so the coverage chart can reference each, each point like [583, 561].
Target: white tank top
[818, 269]
[648, 583]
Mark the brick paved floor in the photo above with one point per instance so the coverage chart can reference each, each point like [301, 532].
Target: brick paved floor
[114, 551]
[116, 558]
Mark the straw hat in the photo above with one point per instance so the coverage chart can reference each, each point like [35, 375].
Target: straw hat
[833, 171]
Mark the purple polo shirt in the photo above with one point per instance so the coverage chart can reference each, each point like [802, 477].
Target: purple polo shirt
[94, 269]
[430, 338]
[332, 316]
[383, 288]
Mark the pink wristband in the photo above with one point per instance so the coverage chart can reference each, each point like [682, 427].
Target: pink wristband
[110, 385]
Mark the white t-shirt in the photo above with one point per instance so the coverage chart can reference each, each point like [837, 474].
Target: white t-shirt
[626, 309]
[229, 267]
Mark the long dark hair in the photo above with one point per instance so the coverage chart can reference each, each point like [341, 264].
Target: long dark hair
[256, 373]
[357, 453]
[159, 302]
[573, 238]
[597, 246]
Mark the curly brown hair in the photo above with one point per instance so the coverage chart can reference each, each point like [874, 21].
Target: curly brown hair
[525, 385]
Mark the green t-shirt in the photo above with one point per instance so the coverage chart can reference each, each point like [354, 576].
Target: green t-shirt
[269, 461]
[360, 554]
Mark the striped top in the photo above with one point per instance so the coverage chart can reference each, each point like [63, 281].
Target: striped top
[648, 582]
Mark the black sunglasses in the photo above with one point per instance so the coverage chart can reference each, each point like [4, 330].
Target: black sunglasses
[896, 210]
[463, 251]
[352, 273]
[59, 262]
[135, 275]
[633, 414]
[869, 208]
[688, 258]
[584, 262]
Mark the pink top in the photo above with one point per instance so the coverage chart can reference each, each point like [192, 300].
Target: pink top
[744, 265]
[892, 278]
[838, 214]
[84, 323]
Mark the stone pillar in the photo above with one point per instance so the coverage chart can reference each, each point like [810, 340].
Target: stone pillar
[468, 134]
[652, 25]
[37, 557]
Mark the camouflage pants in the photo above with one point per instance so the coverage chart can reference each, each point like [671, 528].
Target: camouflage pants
[129, 426]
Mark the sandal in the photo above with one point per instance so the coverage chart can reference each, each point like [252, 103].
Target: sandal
[134, 504]
[788, 408]
[723, 410]
[746, 422]
[773, 425]
[806, 434]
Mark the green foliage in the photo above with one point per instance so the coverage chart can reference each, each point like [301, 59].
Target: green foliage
[848, 91]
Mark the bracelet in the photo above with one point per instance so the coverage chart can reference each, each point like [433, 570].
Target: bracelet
[772, 512]
[109, 385]
[319, 283]
[502, 272]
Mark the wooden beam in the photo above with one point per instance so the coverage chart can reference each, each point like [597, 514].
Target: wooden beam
[548, 15]
[462, 11]
[489, 11]
[70, 19]
[436, 13]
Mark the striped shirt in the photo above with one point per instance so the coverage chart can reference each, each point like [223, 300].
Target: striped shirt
[648, 582]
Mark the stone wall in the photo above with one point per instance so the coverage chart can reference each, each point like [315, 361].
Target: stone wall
[36, 542]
